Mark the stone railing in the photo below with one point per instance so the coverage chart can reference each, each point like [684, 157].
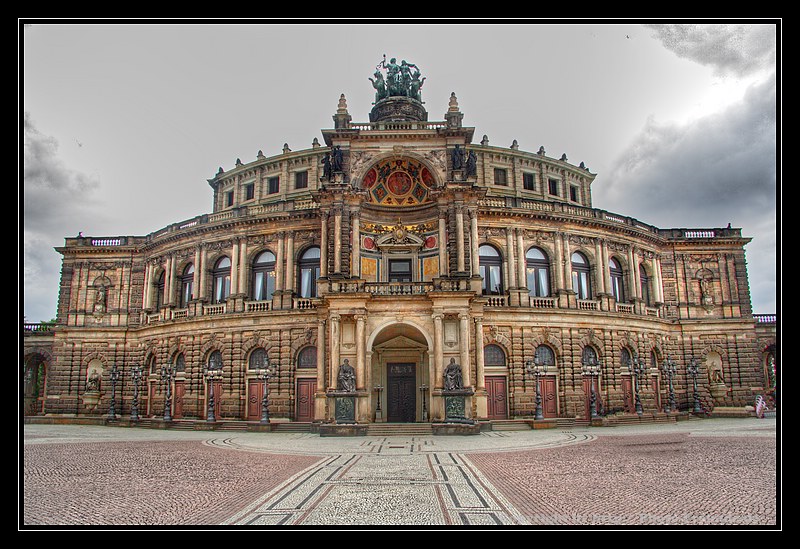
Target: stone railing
[588, 305]
[304, 303]
[37, 327]
[765, 319]
[216, 309]
[624, 308]
[497, 301]
[543, 302]
[178, 314]
[257, 306]
[398, 288]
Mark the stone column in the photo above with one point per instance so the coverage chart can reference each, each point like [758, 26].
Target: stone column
[321, 356]
[442, 244]
[235, 268]
[567, 263]
[480, 382]
[289, 275]
[459, 239]
[464, 336]
[657, 283]
[170, 297]
[512, 268]
[634, 272]
[558, 269]
[521, 261]
[473, 237]
[355, 248]
[148, 277]
[360, 349]
[243, 265]
[279, 263]
[198, 273]
[438, 347]
[201, 292]
[323, 245]
[606, 270]
[602, 267]
[334, 366]
[337, 242]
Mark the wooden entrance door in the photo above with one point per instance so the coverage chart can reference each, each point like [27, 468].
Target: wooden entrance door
[496, 397]
[177, 399]
[627, 394]
[255, 392]
[401, 394]
[306, 389]
[548, 392]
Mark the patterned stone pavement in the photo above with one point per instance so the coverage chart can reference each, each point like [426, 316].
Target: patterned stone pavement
[706, 472]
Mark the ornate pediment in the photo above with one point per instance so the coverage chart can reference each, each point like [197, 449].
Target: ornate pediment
[399, 238]
[400, 343]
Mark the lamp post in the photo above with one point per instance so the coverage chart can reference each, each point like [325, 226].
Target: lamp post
[136, 377]
[424, 389]
[378, 411]
[535, 367]
[211, 375]
[167, 374]
[693, 368]
[591, 368]
[636, 370]
[264, 374]
[113, 375]
[670, 368]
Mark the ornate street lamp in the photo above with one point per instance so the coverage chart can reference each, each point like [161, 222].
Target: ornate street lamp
[424, 389]
[637, 368]
[535, 367]
[113, 375]
[167, 375]
[693, 368]
[264, 374]
[670, 369]
[591, 368]
[212, 375]
[136, 377]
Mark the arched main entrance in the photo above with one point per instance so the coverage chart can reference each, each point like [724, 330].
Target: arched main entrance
[400, 362]
[33, 376]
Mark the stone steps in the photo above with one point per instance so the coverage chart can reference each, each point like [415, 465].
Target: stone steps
[399, 429]
[291, 427]
[510, 425]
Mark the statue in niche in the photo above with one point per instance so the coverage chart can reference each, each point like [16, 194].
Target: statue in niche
[93, 382]
[100, 296]
[472, 164]
[346, 379]
[453, 380]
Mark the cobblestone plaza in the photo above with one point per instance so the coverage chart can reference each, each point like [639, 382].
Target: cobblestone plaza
[697, 473]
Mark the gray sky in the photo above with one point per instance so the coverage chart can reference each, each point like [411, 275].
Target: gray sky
[123, 124]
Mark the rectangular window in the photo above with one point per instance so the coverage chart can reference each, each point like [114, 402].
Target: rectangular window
[249, 191]
[229, 198]
[500, 176]
[528, 182]
[301, 180]
[273, 184]
[573, 193]
[399, 270]
[553, 186]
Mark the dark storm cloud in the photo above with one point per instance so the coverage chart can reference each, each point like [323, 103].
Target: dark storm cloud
[731, 49]
[53, 197]
[717, 169]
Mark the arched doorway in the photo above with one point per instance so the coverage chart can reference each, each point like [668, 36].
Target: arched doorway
[33, 377]
[400, 365]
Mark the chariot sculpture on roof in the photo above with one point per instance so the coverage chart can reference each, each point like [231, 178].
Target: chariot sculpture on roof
[401, 80]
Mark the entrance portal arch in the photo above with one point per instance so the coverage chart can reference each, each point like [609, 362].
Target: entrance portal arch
[400, 360]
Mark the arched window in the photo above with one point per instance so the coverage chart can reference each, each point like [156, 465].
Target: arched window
[537, 268]
[308, 267]
[545, 355]
[258, 360]
[222, 280]
[491, 266]
[161, 289]
[215, 361]
[493, 355]
[645, 284]
[264, 276]
[625, 359]
[580, 276]
[307, 358]
[617, 284]
[187, 286]
[180, 363]
[152, 366]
